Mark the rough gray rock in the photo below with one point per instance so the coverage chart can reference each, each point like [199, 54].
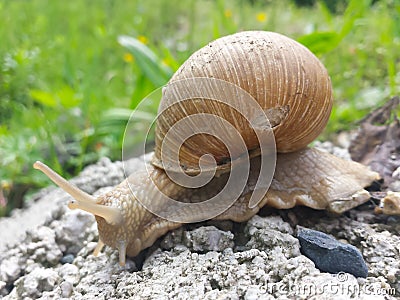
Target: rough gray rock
[72, 230]
[395, 185]
[10, 269]
[208, 238]
[36, 282]
[42, 247]
[3, 289]
[330, 255]
[259, 259]
[331, 148]
[272, 233]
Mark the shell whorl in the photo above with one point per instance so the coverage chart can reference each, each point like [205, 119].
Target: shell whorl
[273, 69]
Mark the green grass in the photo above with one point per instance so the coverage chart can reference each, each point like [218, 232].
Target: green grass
[68, 82]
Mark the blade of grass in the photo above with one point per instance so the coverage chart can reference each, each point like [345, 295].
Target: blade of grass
[147, 60]
[320, 42]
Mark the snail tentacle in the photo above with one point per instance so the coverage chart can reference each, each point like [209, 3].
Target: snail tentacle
[83, 201]
[76, 193]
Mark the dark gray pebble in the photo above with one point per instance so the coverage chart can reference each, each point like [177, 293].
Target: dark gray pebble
[330, 255]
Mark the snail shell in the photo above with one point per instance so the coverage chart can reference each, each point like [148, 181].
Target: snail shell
[274, 69]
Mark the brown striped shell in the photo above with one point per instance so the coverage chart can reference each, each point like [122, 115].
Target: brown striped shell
[274, 69]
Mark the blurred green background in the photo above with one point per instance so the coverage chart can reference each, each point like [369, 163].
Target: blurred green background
[68, 81]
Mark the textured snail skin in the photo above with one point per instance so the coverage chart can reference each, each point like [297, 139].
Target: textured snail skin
[307, 177]
[303, 176]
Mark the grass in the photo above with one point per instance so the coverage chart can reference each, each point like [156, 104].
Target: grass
[68, 80]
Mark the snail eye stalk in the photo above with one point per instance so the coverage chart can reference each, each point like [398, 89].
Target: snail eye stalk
[83, 200]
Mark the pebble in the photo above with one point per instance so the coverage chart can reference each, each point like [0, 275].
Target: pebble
[10, 269]
[3, 289]
[271, 233]
[36, 282]
[43, 247]
[70, 273]
[330, 255]
[67, 259]
[171, 239]
[208, 238]
[272, 222]
[66, 289]
[72, 230]
[253, 293]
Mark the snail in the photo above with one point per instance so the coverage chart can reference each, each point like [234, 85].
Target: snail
[271, 88]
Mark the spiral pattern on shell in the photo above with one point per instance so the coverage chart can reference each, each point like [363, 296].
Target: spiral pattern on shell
[274, 69]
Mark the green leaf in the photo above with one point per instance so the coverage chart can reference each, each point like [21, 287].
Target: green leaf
[320, 42]
[324, 10]
[355, 10]
[323, 42]
[143, 87]
[68, 98]
[169, 59]
[44, 98]
[147, 60]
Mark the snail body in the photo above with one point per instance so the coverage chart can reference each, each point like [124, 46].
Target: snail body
[254, 72]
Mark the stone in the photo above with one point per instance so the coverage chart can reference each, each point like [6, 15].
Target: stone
[43, 247]
[330, 255]
[66, 289]
[10, 269]
[69, 273]
[172, 239]
[33, 284]
[67, 259]
[72, 230]
[3, 288]
[331, 148]
[271, 234]
[270, 222]
[208, 238]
